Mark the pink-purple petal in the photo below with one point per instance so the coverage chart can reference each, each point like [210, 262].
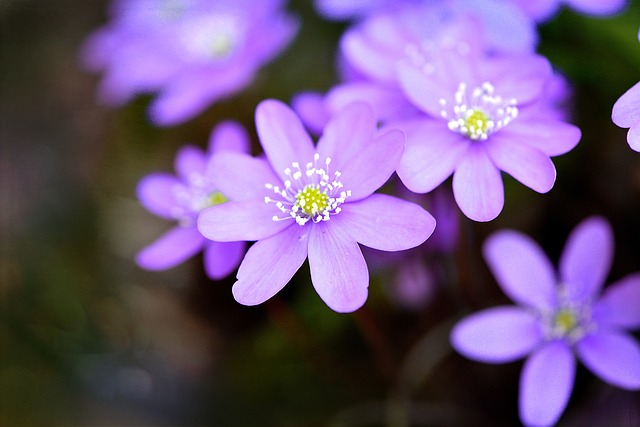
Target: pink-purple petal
[270, 264]
[477, 185]
[241, 220]
[190, 160]
[172, 248]
[586, 259]
[157, 192]
[222, 258]
[497, 335]
[598, 7]
[546, 383]
[633, 137]
[552, 137]
[385, 223]
[619, 305]
[338, 269]
[523, 271]
[347, 134]
[528, 165]
[613, 356]
[282, 136]
[372, 167]
[431, 155]
[626, 110]
[229, 136]
[240, 176]
[423, 90]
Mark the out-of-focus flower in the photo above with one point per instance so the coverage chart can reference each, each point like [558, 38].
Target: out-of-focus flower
[191, 52]
[181, 198]
[543, 10]
[626, 114]
[316, 202]
[559, 315]
[480, 115]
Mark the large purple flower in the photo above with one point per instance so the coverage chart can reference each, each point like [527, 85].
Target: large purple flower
[193, 52]
[181, 198]
[316, 202]
[559, 316]
[481, 115]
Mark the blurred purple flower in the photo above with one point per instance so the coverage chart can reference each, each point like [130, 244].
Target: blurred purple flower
[181, 198]
[316, 202]
[481, 115]
[626, 114]
[559, 315]
[192, 52]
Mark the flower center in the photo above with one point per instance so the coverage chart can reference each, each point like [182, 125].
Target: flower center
[212, 37]
[478, 113]
[193, 198]
[309, 195]
[565, 321]
[570, 321]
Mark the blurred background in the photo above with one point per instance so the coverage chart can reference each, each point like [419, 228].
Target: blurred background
[88, 338]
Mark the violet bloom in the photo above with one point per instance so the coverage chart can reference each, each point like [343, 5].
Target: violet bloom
[316, 202]
[181, 198]
[481, 115]
[559, 316]
[191, 52]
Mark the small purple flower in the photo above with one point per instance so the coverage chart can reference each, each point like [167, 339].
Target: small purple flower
[316, 202]
[181, 198]
[192, 52]
[481, 115]
[626, 114]
[559, 316]
[543, 10]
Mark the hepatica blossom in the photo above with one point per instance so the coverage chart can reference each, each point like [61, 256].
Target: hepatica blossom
[181, 198]
[191, 52]
[559, 316]
[316, 202]
[481, 115]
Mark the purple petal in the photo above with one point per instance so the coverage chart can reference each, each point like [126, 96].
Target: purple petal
[431, 155]
[598, 7]
[497, 335]
[528, 165]
[586, 259]
[270, 264]
[552, 137]
[522, 77]
[613, 356]
[190, 160]
[521, 268]
[240, 176]
[156, 192]
[386, 223]
[477, 185]
[347, 134]
[546, 383]
[338, 269]
[619, 305]
[312, 109]
[424, 91]
[282, 136]
[222, 258]
[633, 137]
[171, 249]
[229, 136]
[241, 220]
[371, 168]
[626, 110]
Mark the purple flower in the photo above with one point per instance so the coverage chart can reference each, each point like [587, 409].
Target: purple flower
[192, 52]
[481, 115]
[181, 198]
[626, 114]
[316, 202]
[559, 316]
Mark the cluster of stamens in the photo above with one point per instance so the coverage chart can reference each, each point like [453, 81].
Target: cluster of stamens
[479, 113]
[198, 195]
[310, 194]
[212, 36]
[569, 322]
